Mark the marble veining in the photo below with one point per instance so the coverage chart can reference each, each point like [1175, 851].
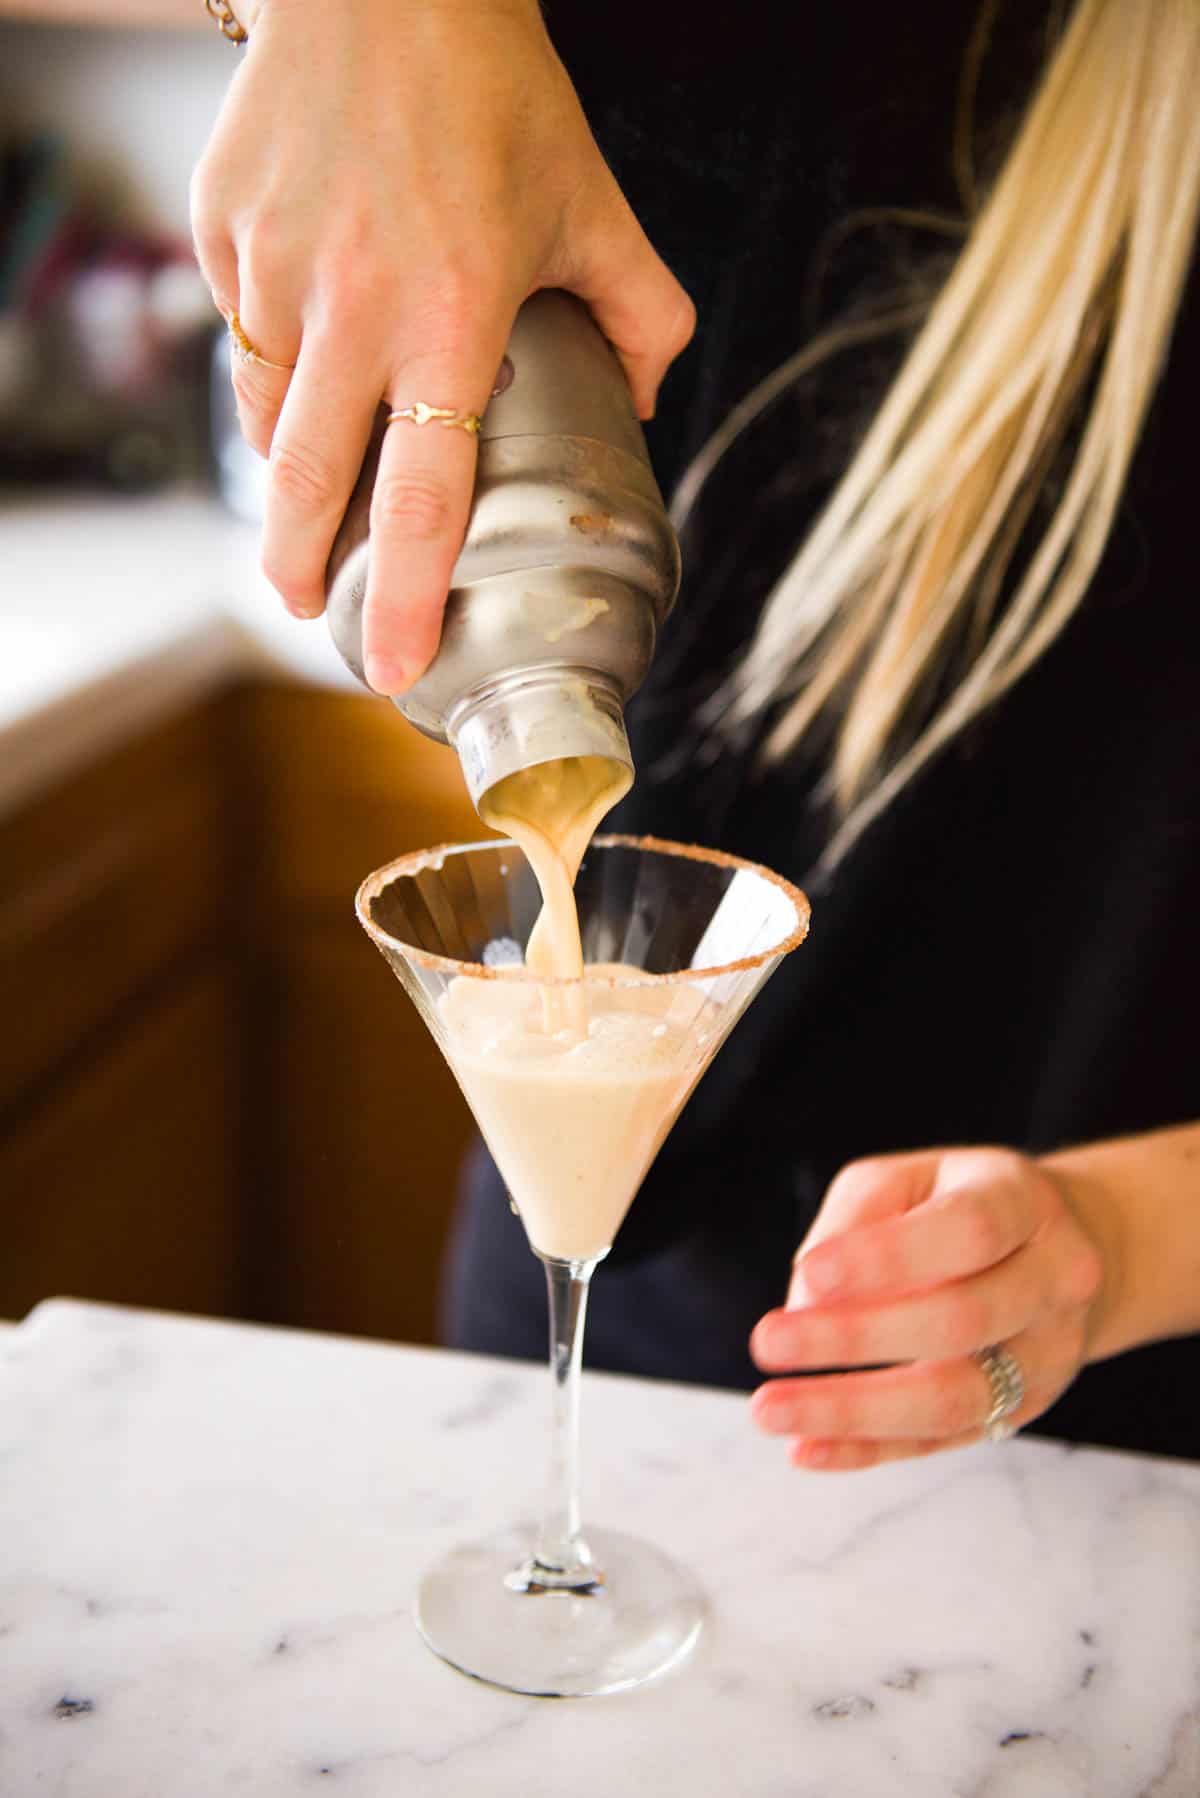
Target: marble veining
[210, 1538]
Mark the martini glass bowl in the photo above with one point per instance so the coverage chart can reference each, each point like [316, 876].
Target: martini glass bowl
[574, 1122]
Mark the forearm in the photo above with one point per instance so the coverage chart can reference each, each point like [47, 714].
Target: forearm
[1139, 1199]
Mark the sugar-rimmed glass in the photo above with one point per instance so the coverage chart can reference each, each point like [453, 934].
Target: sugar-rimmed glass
[695, 934]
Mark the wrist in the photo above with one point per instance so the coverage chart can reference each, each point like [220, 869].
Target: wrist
[1138, 1200]
[1101, 1220]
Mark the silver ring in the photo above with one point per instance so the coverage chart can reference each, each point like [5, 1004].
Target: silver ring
[1007, 1385]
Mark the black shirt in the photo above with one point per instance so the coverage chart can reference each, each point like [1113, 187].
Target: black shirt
[1008, 954]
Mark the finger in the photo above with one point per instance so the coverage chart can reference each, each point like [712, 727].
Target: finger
[262, 362]
[876, 1187]
[855, 1457]
[935, 1399]
[635, 299]
[1049, 1358]
[214, 247]
[259, 392]
[864, 1192]
[953, 1319]
[316, 453]
[979, 1210]
[421, 502]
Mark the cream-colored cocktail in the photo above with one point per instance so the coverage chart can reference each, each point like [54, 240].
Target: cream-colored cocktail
[574, 1120]
[574, 1090]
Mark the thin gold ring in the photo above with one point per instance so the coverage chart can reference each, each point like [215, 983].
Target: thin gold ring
[421, 414]
[243, 347]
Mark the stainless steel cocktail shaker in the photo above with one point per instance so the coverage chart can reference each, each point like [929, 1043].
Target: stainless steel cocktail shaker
[569, 567]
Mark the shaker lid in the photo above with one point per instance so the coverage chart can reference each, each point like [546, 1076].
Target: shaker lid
[520, 720]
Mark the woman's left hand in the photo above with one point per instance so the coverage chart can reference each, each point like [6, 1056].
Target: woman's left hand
[915, 1264]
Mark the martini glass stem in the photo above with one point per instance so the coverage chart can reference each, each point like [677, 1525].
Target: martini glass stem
[562, 1558]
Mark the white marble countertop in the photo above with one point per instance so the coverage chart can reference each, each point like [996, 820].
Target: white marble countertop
[116, 611]
[210, 1537]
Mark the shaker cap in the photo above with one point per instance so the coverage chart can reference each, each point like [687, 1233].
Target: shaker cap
[519, 720]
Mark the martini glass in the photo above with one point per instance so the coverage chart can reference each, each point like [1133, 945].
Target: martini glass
[688, 936]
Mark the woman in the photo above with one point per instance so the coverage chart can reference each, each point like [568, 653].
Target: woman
[935, 631]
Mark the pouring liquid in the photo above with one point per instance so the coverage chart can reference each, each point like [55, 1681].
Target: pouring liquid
[551, 811]
[573, 1089]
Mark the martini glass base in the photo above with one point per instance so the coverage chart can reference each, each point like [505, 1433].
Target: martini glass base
[643, 1619]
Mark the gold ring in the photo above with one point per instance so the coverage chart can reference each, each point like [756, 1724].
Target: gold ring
[421, 414]
[243, 347]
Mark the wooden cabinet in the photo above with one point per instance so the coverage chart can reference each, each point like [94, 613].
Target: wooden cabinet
[106, 882]
[358, 1135]
[213, 1093]
[329, 786]
[120, 1053]
[124, 1184]
[359, 1129]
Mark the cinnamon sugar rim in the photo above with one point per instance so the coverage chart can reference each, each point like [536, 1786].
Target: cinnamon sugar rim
[420, 859]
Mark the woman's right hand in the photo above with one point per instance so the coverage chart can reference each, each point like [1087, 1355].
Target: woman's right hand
[387, 181]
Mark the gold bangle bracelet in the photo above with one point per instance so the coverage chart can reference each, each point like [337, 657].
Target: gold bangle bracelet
[227, 21]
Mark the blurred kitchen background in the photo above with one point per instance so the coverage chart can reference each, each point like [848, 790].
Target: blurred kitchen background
[213, 1095]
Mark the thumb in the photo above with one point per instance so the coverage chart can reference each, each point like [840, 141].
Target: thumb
[864, 1192]
[632, 294]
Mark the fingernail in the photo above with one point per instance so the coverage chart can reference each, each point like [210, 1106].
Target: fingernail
[306, 612]
[387, 676]
[812, 1454]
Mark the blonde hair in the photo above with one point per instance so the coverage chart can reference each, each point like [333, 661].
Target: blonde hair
[1058, 310]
